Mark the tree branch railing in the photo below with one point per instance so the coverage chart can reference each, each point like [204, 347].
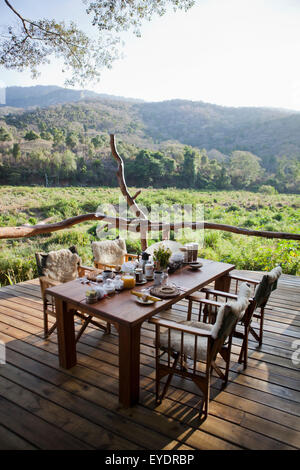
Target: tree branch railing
[140, 223]
[135, 225]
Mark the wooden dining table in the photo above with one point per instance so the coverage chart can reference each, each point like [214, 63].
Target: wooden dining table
[127, 315]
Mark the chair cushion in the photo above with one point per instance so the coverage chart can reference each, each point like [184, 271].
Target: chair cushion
[61, 265]
[228, 315]
[237, 309]
[266, 286]
[109, 252]
[274, 275]
[188, 340]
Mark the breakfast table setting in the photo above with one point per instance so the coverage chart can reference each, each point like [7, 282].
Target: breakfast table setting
[126, 297]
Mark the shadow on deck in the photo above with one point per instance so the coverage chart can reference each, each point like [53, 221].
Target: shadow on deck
[43, 406]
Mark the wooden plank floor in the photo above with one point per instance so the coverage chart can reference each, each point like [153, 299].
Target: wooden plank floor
[45, 407]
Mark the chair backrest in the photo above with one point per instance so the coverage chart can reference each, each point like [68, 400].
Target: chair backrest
[228, 316]
[60, 265]
[266, 286]
[230, 313]
[109, 252]
[173, 246]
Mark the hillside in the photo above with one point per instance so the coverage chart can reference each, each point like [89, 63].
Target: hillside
[263, 131]
[172, 143]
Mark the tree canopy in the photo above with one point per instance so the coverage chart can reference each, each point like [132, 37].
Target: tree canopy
[33, 42]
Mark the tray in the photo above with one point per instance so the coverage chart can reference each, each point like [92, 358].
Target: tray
[159, 292]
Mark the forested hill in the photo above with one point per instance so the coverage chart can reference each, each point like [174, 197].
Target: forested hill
[265, 132]
[171, 143]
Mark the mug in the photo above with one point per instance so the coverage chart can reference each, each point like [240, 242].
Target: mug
[107, 274]
[158, 277]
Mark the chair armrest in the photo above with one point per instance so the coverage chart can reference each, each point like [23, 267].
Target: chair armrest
[224, 294]
[197, 298]
[244, 279]
[50, 282]
[219, 293]
[129, 255]
[82, 269]
[179, 327]
[87, 268]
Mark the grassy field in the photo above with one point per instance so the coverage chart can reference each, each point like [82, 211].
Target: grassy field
[29, 205]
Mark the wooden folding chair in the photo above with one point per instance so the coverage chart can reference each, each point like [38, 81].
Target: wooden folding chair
[186, 347]
[112, 265]
[48, 301]
[261, 293]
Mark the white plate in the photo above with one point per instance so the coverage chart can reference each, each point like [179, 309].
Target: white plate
[141, 282]
[140, 301]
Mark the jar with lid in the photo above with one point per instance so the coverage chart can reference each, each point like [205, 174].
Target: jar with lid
[149, 270]
[189, 248]
[184, 251]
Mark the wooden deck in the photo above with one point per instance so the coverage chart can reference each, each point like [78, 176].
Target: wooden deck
[45, 407]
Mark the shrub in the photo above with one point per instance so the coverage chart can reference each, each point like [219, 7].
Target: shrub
[17, 270]
[268, 189]
[232, 208]
[211, 239]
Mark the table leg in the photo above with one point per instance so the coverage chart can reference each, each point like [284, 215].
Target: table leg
[129, 364]
[65, 335]
[223, 283]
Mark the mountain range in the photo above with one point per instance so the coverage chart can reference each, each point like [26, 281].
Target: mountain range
[266, 132]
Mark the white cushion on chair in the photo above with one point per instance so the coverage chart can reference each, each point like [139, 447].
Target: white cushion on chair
[61, 265]
[274, 274]
[109, 252]
[238, 307]
[188, 340]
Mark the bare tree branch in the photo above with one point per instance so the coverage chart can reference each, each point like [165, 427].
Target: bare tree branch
[123, 186]
[24, 21]
[135, 225]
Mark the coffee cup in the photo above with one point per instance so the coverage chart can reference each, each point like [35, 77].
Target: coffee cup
[107, 274]
[158, 277]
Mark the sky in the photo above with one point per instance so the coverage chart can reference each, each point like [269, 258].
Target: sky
[227, 52]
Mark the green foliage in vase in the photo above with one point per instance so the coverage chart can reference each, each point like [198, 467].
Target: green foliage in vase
[161, 257]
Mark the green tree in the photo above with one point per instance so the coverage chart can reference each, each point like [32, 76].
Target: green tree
[58, 136]
[244, 168]
[16, 152]
[5, 134]
[189, 168]
[32, 43]
[98, 141]
[31, 135]
[69, 164]
[287, 177]
[46, 135]
[72, 140]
